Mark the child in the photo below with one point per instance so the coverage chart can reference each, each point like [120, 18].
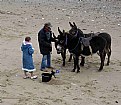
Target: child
[27, 59]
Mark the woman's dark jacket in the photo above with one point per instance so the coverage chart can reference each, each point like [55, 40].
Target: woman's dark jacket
[45, 41]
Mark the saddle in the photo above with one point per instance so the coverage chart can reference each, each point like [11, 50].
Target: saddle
[86, 42]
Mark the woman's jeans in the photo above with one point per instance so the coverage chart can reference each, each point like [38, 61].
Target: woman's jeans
[46, 61]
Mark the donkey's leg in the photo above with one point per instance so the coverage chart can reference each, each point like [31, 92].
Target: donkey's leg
[82, 61]
[102, 57]
[63, 59]
[63, 54]
[77, 63]
[74, 64]
[109, 54]
[70, 58]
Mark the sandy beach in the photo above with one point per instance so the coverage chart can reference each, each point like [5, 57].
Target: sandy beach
[21, 18]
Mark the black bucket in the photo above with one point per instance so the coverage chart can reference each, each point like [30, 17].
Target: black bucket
[46, 77]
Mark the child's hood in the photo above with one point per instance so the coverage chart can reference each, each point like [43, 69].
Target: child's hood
[25, 44]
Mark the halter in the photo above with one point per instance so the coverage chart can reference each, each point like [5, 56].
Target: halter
[76, 33]
[72, 37]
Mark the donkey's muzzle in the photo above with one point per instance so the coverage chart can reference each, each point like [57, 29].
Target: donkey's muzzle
[59, 49]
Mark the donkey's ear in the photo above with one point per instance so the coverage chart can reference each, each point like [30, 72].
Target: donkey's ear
[59, 31]
[71, 24]
[63, 32]
[54, 36]
[74, 24]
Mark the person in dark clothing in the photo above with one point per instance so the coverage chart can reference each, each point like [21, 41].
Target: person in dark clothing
[45, 38]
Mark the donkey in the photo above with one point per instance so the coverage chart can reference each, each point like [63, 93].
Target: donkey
[76, 46]
[75, 31]
[106, 36]
[62, 49]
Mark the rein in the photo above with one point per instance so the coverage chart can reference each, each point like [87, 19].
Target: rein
[76, 45]
[66, 40]
[71, 39]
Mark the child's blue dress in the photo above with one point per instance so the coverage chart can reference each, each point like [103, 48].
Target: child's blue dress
[27, 59]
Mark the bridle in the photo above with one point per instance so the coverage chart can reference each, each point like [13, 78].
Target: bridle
[71, 38]
[79, 41]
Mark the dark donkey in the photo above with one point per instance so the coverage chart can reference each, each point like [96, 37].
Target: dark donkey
[105, 36]
[75, 46]
[62, 49]
[75, 31]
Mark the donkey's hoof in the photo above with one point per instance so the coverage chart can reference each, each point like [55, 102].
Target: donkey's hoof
[73, 70]
[99, 70]
[69, 60]
[78, 71]
[81, 64]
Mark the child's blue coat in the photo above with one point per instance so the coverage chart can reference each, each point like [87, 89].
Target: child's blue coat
[27, 59]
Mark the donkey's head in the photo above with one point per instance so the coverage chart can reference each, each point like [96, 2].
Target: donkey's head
[75, 31]
[60, 43]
